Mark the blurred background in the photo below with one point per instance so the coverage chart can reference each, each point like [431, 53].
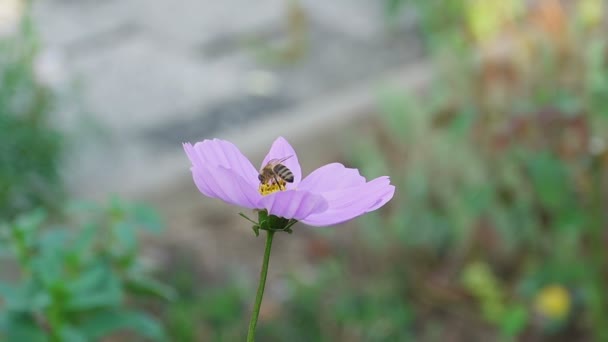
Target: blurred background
[490, 117]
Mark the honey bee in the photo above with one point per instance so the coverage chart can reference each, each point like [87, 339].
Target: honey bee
[276, 173]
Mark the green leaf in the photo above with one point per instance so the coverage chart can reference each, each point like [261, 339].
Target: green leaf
[107, 294]
[81, 206]
[147, 218]
[550, 180]
[392, 7]
[401, 115]
[31, 221]
[126, 238]
[573, 219]
[90, 279]
[54, 239]
[48, 267]
[83, 244]
[221, 305]
[141, 285]
[103, 323]
[514, 321]
[72, 334]
[25, 297]
[21, 328]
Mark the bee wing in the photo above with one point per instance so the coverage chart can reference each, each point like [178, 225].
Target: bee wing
[272, 162]
[278, 160]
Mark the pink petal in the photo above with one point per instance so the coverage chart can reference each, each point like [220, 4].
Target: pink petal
[346, 204]
[293, 204]
[227, 185]
[203, 186]
[221, 171]
[280, 149]
[331, 177]
[221, 153]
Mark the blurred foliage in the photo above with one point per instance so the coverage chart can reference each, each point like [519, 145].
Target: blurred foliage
[502, 163]
[497, 230]
[327, 307]
[333, 307]
[479, 280]
[70, 272]
[74, 281]
[30, 147]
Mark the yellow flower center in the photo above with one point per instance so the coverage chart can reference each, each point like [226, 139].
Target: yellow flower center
[553, 302]
[269, 188]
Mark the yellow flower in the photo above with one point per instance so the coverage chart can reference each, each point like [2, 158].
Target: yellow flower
[486, 19]
[590, 12]
[553, 302]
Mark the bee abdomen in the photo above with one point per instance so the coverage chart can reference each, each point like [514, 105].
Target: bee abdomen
[283, 172]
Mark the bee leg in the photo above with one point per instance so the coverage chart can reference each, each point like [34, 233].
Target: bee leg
[276, 180]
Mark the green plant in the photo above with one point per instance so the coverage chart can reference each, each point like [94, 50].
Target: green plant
[503, 159]
[30, 147]
[332, 307]
[512, 318]
[74, 281]
[324, 306]
[440, 22]
[214, 314]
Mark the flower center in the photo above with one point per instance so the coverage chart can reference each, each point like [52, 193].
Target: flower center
[270, 187]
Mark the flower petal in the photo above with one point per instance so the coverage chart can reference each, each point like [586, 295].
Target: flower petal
[227, 185]
[293, 204]
[202, 185]
[331, 177]
[348, 203]
[221, 153]
[281, 149]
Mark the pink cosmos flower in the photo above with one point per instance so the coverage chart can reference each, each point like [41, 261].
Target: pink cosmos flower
[329, 195]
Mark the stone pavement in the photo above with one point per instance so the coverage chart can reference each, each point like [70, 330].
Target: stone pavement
[150, 74]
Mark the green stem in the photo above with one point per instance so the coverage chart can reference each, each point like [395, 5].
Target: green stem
[258, 298]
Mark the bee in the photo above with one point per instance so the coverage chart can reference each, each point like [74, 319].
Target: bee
[276, 173]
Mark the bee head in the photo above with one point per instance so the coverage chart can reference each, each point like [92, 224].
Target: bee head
[261, 178]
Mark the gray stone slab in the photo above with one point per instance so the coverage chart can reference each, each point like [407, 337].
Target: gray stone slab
[363, 19]
[136, 85]
[194, 22]
[138, 166]
[64, 23]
